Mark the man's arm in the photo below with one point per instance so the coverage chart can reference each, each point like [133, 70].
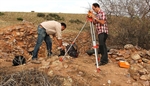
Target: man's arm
[99, 21]
[58, 41]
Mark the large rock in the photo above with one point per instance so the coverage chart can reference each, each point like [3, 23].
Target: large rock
[133, 70]
[135, 56]
[128, 46]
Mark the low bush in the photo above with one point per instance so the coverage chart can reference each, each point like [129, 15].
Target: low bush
[41, 15]
[1, 13]
[77, 21]
[54, 17]
[20, 19]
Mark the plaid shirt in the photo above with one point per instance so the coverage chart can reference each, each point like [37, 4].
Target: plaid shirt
[101, 28]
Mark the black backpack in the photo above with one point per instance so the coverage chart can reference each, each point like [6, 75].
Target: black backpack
[18, 60]
[73, 52]
[62, 52]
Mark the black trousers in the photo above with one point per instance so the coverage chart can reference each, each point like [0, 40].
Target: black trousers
[102, 47]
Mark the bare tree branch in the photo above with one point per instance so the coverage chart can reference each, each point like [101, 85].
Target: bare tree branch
[131, 8]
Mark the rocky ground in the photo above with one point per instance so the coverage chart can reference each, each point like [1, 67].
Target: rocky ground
[20, 40]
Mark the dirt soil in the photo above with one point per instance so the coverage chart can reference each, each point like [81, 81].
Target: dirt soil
[82, 69]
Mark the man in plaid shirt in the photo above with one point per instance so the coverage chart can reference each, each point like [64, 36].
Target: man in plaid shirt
[102, 30]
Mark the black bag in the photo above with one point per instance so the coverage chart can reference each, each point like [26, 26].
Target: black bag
[73, 52]
[19, 60]
[91, 51]
[62, 52]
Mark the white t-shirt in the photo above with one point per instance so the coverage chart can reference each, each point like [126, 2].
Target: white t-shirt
[52, 27]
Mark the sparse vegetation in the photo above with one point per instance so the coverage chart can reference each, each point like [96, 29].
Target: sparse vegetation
[33, 11]
[30, 78]
[20, 19]
[77, 21]
[1, 13]
[25, 78]
[54, 17]
[41, 15]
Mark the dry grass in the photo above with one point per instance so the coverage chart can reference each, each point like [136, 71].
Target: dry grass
[33, 77]
[10, 18]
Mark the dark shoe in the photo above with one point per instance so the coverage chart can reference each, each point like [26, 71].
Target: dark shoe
[100, 63]
[49, 54]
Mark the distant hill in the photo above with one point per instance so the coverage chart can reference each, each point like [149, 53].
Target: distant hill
[73, 21]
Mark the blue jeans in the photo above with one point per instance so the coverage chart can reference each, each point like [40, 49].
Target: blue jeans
[42, 35]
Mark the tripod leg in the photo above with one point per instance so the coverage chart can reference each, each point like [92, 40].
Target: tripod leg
[94, 44]
[61, 59]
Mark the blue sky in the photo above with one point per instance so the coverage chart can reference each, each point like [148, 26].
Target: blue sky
[63, 6]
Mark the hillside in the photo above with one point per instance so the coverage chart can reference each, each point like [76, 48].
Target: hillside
[17, 38]
[10, 18]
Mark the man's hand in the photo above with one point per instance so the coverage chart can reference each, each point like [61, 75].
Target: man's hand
[63, 47]
[97, 20]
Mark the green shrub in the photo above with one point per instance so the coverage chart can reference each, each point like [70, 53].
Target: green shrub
[54, 17]
[41, 15]
[1, 13]
[77, 21]
[32, 11]
[20, 19]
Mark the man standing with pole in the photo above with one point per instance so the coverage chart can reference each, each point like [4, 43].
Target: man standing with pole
[102, 30]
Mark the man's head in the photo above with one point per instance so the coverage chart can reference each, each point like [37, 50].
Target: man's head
[95, 7]
[63, 26]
